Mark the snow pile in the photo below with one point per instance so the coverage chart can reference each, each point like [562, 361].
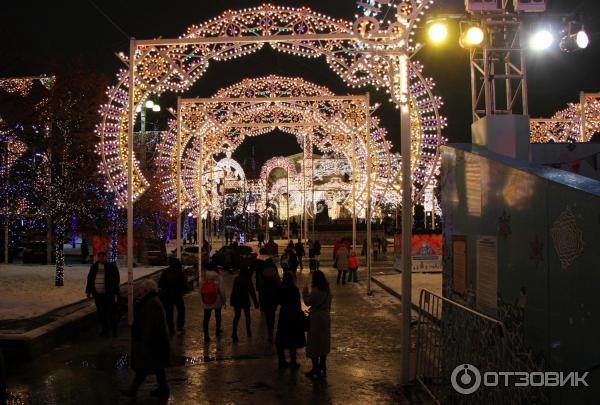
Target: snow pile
[28, 290]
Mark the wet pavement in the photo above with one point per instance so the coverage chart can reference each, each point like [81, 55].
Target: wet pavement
[363, 368]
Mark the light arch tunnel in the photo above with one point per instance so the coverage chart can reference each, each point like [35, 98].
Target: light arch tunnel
[176, 67]
[336, 128]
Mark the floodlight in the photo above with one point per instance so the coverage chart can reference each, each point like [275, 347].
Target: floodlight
[541, 40]
[156, 108]
[149, 104]
[574, 41]
[438, 32]
[472, 36]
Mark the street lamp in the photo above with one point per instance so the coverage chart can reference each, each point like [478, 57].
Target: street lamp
[142, 108]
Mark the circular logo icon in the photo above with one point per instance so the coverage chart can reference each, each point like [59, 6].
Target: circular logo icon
[465, 379]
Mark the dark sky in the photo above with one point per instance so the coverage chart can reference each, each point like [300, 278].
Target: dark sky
[35, 32]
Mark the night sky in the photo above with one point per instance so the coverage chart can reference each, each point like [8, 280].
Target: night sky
[35, 33]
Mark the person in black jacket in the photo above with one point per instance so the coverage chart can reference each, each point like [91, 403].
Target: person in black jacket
[317, 253]
[150, 346]
[173, 285]
[267, 285]
[290, 331]
[300, 252]
[103, 284]
[241, 293]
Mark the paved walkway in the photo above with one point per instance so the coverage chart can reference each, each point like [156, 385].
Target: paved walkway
[364, 366]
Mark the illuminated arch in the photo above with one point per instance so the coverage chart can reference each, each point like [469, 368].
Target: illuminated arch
[177, 67]
[338, 127]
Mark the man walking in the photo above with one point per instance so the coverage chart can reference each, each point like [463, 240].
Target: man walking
[103, 284]
[299, 248]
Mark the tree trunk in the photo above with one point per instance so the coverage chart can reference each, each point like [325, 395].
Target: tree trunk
[48, 240]
[114, 234]
[60, 255]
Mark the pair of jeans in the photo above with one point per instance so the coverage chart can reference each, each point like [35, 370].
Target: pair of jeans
[106, 306]
[170, 302]
[341, 275]
[281, 355]
[206, 320]
[270, 317]
[236, 320]
[140, 377]
[352, 275]
[319, 364]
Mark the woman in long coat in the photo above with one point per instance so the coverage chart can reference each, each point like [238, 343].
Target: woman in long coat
[290, 331]
[241, 293]
[319, 333]
[150, 349]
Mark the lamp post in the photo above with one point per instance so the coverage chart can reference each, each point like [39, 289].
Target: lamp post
[143, 110]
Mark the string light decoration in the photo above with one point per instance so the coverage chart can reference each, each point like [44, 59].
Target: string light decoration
[359, 61]
[566, 126]
[334, 125]
[23, 85]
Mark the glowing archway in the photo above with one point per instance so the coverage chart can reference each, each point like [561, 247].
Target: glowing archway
[330, 125]
[175, 67]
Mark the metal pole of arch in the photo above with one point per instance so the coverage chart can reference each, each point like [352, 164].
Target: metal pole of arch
[178, 185]
[267, 237]
[212, 180]
[312, 199]
[131, 102]
[199, 220]
[368, 205]
[305, 217]
[354, 193]
[407, 217]
[287, 189]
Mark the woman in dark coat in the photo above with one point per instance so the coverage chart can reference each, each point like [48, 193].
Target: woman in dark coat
[150, 349]
[290, 331]
[173, 285]
[241, 293]
[267, 285]
[319, 333]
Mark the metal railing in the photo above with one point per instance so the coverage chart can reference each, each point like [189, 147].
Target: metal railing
[450, 334]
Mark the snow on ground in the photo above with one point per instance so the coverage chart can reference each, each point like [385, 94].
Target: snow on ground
[28, 290]
[427, 281]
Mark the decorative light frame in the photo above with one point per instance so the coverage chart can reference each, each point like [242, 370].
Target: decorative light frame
[175, 64]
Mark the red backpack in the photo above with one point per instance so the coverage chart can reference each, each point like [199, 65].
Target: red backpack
[209, 292]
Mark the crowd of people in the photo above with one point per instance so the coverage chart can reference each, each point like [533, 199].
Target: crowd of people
[379, 246]
[260, 284]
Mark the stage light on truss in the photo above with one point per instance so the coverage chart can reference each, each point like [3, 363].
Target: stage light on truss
[438, 32]
[541, 40]
[575, 39]
[471, 36]
[474, 36]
